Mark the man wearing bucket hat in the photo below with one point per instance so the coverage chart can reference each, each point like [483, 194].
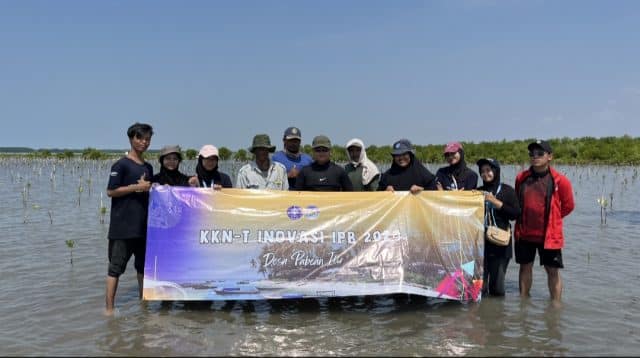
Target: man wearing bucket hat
[546, 197]
[263, 173]
[323, 174]
[292, 156]
[170, 159]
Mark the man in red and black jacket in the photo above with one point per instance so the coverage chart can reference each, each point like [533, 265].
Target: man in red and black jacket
[545, 197]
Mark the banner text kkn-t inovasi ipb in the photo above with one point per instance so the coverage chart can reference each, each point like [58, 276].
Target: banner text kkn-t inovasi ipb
[253, 244]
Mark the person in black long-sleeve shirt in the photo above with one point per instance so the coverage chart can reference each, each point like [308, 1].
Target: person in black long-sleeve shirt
[406, 172]
[322, 174]
[456, 175]
[502, 202]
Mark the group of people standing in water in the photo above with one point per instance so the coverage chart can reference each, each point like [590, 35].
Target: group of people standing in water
[541, 197]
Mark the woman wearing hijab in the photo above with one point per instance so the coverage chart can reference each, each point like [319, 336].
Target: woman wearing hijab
[502, 203]
[406, 172]
[455, 176]
[362, 172]
[207, 174]
[170, 159]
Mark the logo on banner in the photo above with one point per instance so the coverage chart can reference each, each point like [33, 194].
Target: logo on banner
[294, 212]
[311, 212]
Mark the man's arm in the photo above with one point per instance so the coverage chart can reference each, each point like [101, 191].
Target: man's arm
[566, 197]
[141, 186]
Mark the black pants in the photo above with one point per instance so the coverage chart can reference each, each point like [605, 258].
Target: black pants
[495, 269]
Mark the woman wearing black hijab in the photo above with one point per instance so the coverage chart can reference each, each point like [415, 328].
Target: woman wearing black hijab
[207, 172]
[501, 202]
[406, 172]
[170, 159]
[455, 176]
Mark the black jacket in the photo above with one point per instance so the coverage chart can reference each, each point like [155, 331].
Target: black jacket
[403, 178]
[509, 211]
[323, 177]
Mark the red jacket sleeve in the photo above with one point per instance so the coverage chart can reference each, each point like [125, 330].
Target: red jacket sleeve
[566, 196]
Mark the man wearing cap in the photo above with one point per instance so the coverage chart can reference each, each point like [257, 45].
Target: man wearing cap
[455, 176]
[546, 197]
[292, 157]
[406, 172]
[263, 173]
[322, 174]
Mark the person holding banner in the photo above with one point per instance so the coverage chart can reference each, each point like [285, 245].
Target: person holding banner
[170, 159]
[128, 189]
[322, 174]
[546, 197]
[362, 172]
[455, 176]
[263, 173]
[502, 204]
[207, 173]
[406, 172]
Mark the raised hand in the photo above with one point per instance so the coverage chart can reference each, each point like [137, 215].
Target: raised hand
[143, 184]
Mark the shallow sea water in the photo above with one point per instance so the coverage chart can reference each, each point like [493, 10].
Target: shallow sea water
[51, 307]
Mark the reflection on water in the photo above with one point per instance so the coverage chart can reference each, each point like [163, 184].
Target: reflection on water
[51, 307]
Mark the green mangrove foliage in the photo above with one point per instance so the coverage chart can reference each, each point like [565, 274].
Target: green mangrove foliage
[93, 154]
[191, 154]
[624, 150]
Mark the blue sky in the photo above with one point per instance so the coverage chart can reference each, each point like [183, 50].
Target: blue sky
[76, 74]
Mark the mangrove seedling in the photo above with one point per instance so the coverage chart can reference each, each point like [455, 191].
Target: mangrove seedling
[603, 210]
[89, 186]
[80, 190]
[611, 201]
[70, 245]
[102, 210]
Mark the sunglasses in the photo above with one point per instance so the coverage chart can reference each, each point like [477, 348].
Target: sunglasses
[536, 153]
[321, 150]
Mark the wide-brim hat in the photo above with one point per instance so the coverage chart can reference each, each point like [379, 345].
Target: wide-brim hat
[262, 141]
[168, 149]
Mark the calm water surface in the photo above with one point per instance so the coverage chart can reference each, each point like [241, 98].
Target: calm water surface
[50, 307]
